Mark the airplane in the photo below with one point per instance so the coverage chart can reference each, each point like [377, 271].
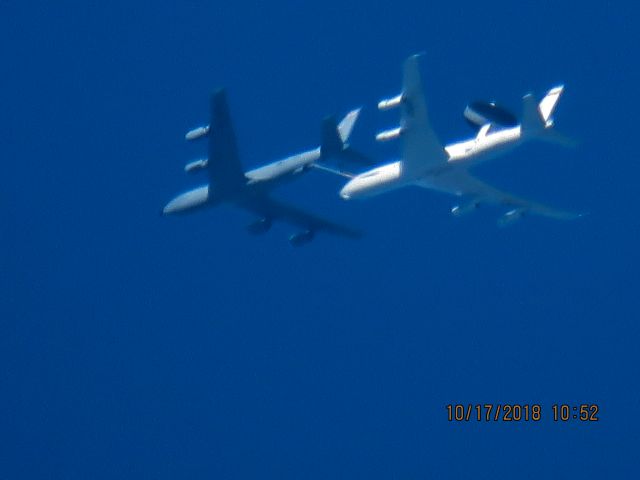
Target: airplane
[426, 163]
[228, 183]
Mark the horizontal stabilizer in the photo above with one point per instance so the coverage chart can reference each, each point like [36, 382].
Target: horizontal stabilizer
[551, 135]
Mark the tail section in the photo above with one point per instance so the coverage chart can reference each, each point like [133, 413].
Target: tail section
[346, 124]
[548, 104]
[335, 137]
[537, 118]
[332, 143]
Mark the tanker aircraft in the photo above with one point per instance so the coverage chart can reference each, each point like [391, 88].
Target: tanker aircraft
[228, 183]
[426, 163]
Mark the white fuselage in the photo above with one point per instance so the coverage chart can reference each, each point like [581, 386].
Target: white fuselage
[459, 155]
[265, 178]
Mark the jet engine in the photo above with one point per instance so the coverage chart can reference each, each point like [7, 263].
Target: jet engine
[390, 103]
[260, 226]
[302, 238]
[196, 133]
[196, 165]
[481, 113]
[460, 210]
[511, 217]
[389, 134]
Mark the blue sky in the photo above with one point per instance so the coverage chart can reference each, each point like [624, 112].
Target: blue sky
[136, 346]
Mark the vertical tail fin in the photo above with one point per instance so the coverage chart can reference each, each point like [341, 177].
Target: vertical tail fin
[536, 117]
[334, 140]
[335, 137]
[346, 124]
[532, 123]
[548, 104]
[331, 143]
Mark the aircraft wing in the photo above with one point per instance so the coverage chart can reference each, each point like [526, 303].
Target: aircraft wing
[421, 148]
[461, 182]
[270, 208]
[225, 170]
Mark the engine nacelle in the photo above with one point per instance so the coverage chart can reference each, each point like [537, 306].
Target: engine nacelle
[260, 226]
[511, 217]
[389, 134]
[390, 103]
[196, 133]
[196, 165]
[460, 210]
[302, 238]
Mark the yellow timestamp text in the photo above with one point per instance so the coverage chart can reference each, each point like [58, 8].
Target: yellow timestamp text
[517, 412]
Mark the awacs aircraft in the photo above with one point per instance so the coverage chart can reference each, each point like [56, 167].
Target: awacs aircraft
[426, 163]
[228, 183]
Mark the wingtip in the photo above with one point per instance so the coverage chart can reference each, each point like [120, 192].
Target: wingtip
[218, 93]
[414, 59]
[570, 216]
